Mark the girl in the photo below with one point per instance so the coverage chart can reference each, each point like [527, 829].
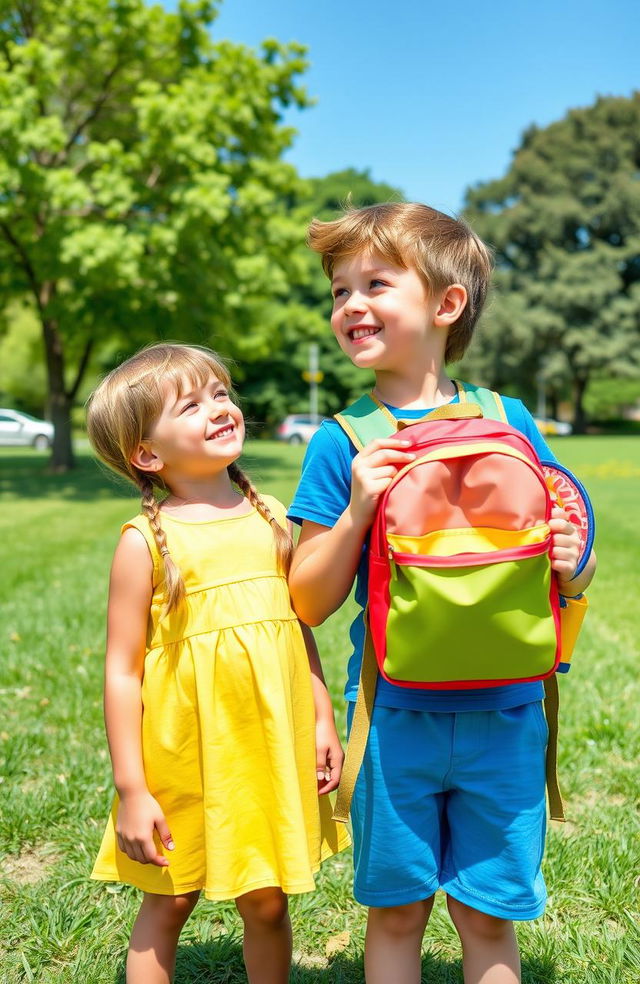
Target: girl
[209, 702]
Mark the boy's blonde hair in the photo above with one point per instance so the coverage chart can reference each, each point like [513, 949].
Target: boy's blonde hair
[441, 249]
[120, 413]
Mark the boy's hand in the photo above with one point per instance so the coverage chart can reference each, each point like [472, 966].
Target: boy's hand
[372, 471]
[139, 814]
[565, 549]
[329, 756]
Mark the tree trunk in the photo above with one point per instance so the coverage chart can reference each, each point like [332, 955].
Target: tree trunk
[62, 458]
[579, 413]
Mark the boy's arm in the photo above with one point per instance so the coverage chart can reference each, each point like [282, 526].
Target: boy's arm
[130, 591]
[565, 554]
[329, 753]
[326, 558]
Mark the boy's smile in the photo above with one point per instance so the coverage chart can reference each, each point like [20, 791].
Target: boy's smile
[382, 314]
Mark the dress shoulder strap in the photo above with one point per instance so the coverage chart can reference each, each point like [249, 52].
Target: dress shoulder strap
[141, 523]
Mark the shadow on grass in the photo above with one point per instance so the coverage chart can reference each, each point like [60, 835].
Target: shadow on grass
[25, 474]
[220, 962]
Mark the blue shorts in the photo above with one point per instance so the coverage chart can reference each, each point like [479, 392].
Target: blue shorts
[453, 801]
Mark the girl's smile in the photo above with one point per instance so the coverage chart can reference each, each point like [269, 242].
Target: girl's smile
[199, 432]
[227, 431]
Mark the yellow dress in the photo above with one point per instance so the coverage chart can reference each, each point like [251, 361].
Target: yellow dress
[228, 725]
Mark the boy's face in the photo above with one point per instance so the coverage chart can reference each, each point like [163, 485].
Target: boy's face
[382, 315]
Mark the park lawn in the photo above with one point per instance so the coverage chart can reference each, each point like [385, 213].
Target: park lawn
[57, 535]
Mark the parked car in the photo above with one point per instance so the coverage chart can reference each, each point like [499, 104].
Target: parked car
[19, 428]
[553, 428]
[297, 428]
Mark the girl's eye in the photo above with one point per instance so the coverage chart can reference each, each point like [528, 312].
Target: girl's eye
[189, 406]
[221, 395]
[378, 283]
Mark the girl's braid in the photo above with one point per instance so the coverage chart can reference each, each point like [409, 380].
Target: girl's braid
[284, 543]
[174, 585]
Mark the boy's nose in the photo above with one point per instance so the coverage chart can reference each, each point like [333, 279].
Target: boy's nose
[354, 303]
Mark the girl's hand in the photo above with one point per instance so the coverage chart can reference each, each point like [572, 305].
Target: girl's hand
[371, 472]
[139, 814]
[329, 756]
[565, 549]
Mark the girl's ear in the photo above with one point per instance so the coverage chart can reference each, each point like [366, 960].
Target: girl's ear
[145, 458]
[452, 304]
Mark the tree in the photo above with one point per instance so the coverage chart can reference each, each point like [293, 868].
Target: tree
[565, 225]
[274, 386]
[140, 163]
[23, 381]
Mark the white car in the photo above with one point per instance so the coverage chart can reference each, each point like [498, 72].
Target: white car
[17, 428]
[297, 428]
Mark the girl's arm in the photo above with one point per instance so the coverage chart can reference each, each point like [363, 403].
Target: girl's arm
[329, 754]
[130, 592]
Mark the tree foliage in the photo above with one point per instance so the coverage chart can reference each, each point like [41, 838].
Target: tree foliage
[274, 386]
[23, 383]
[565, 225]
[140, 169]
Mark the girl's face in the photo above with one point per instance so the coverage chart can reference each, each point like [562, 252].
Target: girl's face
[199, 432]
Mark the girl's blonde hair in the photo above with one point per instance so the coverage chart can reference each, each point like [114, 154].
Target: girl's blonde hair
[120, 413]
[442, 250]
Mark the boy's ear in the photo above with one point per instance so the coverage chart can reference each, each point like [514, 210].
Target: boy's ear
[145, 458]
[452, 304]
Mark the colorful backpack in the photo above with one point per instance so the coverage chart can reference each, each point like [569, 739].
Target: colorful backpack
[461, 592]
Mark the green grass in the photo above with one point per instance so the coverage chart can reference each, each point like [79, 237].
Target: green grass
[57, 535]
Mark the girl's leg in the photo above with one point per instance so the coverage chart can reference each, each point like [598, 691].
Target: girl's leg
[489, 946]
[267, 935]
[154, 938]
[393, 943]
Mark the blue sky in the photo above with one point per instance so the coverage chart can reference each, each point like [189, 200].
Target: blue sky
[433, 97]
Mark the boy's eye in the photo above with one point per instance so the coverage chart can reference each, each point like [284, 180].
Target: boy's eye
[339, 291]
[378, 283]
[221, 395]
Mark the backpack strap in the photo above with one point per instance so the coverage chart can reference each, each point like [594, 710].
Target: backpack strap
[360, 726]
[365, 420]
[368, 418]
[551, 710]
[488, 400]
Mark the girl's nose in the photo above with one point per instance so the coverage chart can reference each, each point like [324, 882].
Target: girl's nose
[217, 410]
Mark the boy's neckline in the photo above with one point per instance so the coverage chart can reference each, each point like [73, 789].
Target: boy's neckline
[418, 411]
[423, 407]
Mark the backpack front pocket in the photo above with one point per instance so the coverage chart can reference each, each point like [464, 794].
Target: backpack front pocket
[474, 617]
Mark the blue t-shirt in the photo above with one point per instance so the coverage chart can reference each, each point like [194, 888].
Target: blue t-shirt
[323, 494]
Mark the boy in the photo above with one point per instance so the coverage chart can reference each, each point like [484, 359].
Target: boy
[452, 790]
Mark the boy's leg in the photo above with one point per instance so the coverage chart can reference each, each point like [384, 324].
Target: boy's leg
[267, 935]
[394, 941]
[154, 938]
[489, 946]
[397, 833]
[496, 818]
